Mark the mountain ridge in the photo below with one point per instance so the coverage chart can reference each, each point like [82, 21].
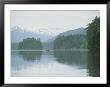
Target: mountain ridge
[18, 34]
[79, 31]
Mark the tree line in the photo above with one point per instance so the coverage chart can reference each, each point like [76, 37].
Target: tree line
[70, 42]
[30, 43]
[93, 35]
[93, 40]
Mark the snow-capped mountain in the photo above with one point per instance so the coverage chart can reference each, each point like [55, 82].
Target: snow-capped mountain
[18, 34]
[45, 31]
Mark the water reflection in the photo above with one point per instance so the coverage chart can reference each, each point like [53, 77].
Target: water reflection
[55, 63]
[93, 63]
[30, 55]
[24, 59]
[77, 58]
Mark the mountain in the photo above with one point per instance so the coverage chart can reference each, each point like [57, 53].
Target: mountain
[18, 34]
[72, 39]
[79, 31]
[14, 46]
[49, 44]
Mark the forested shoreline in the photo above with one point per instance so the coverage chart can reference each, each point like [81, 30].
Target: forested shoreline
[70, 42]
[68, 48]
[91, 40]
[28, 44]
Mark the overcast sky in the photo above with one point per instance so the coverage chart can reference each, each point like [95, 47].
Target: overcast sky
[52, 21]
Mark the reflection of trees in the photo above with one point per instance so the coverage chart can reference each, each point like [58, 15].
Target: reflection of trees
[93, 63]
[31, 55]
[81, 58]
[71, 57]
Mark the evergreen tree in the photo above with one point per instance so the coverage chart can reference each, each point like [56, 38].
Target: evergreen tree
[30, 43]
[93, 34]
[93, 40]
[70, 42]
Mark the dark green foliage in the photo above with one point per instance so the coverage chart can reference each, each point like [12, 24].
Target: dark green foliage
[70, 42]
[30, 43]
[93, 34]
[31, 55]
[93, 40]
[93, 63]
[71, 57]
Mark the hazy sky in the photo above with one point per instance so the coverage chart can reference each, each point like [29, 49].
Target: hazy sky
[52, 21]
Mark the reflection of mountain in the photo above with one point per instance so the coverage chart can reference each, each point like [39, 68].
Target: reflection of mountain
[18, 34]
[93, 63]
[30, 55]
[72, 57]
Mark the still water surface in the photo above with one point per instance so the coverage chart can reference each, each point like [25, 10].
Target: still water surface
[49, 64]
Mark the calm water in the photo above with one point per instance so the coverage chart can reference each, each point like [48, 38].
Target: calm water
[52, 64]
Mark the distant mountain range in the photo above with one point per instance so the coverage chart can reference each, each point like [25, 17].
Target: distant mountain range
[18, 34]
[80, 31]
[49, 44]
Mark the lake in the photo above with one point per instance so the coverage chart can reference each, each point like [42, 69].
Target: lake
[52, 64]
